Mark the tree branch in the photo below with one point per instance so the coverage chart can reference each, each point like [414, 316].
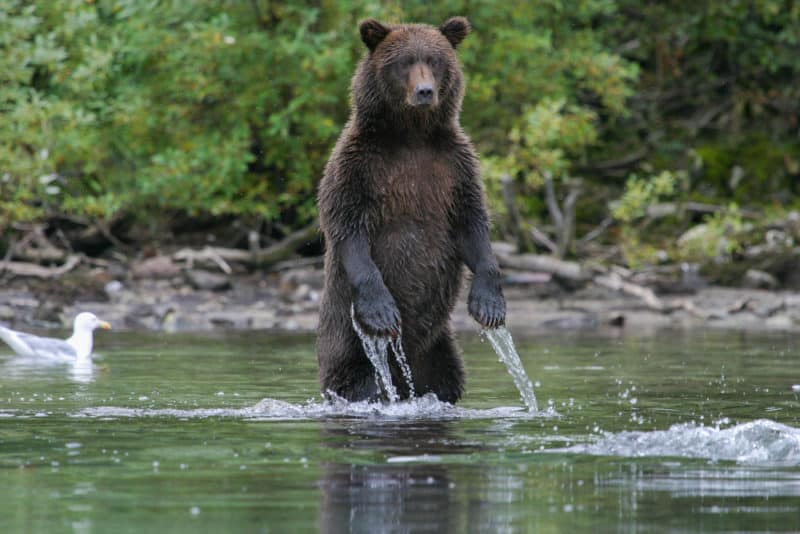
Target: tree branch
[550, 199]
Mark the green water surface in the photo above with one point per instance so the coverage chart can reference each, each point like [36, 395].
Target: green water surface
[187, 458]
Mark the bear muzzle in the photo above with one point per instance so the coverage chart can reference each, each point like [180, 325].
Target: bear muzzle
[422, 87]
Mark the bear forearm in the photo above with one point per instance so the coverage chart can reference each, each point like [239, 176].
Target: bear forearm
[358, 264]
[476, 249]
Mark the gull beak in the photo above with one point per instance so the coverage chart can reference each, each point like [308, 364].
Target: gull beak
[104, 325]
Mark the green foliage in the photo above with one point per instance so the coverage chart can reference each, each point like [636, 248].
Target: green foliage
[232, 107]
[549, 139]
[747, 168]
[717, 238]
[640, 193]
[718, 79]
[542, 86]
[224, 108]
[143, 108]
[635, 249]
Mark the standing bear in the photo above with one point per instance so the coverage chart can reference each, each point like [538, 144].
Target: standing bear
[402, 211]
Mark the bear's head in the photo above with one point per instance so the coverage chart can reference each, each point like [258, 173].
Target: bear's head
[410, 72]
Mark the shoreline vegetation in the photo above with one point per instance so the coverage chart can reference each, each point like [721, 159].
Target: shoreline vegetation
[639, 159]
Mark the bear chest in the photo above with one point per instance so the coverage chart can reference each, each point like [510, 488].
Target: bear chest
[414, 184]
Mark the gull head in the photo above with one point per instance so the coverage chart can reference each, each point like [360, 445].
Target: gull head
[87, 322]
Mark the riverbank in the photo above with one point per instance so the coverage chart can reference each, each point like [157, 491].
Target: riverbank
[171, 299]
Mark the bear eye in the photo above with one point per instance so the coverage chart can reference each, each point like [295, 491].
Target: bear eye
[407, 61]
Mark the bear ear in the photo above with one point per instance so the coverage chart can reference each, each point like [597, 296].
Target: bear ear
[372, 33]
[455, 29]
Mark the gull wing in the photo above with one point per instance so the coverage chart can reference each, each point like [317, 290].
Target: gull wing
[46, 347]
[16, 342]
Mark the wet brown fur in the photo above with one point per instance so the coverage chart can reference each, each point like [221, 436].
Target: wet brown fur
[401, 208]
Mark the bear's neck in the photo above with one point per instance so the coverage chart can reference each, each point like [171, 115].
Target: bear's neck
[381, 120]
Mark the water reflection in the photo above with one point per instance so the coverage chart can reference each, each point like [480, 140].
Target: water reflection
[712, 482]
[388, 498]
[414, 488]
[81, 371]
[394, 496]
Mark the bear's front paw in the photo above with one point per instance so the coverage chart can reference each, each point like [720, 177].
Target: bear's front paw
[377, 315]
[486, 303]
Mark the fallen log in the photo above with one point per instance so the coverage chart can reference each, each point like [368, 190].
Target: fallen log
[567, 270]
[287, 246]
[35, 247]
[266, 257]
[299, 263]
[216, 255]
[20, 268]
[615, 282]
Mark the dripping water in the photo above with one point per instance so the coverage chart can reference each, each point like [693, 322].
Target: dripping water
[503, 345]
[377, 350]
[400, 355]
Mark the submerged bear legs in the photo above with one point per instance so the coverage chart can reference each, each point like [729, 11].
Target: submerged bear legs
[350, 375]
[438, 370]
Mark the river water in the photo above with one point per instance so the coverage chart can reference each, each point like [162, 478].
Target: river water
[215, 433]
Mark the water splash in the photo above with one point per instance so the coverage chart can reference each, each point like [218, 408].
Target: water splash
[503, 345]
[756, 443]
[377, 350]
[426, 407]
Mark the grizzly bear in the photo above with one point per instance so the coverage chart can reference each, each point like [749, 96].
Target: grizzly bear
[402, 211]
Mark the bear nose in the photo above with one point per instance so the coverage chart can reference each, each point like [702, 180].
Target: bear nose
[424, 92]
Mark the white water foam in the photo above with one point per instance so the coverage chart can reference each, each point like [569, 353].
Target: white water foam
[427, 407]
[503, 345]
[377, 350]
[758, 442]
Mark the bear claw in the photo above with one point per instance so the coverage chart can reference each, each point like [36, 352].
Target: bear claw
[487, 306]
[378, 317]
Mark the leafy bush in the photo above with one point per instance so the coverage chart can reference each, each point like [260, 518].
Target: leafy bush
[124, 108]
[202, 107]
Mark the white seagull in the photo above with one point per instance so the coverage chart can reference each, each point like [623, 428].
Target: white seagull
[77, 347]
